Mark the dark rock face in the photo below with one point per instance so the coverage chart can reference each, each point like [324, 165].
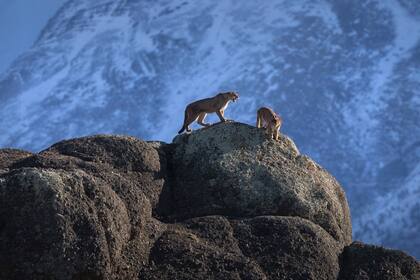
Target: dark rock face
[367, 262]
[221, 203]
[81, 210]
[10, 156]
[267, 247]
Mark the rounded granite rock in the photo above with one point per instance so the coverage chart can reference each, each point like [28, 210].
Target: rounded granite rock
[66, 225]
[269, 247]
[361, 261]
[224, 202]
[234, 169]
[82, 209]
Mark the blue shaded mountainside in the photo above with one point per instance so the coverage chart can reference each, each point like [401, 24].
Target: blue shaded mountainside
[343, 75]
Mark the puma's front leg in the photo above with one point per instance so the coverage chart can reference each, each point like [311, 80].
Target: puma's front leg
[220, 115]
[276, 135]
[223, 115]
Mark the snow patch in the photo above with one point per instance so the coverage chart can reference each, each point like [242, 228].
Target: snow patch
[391, 211]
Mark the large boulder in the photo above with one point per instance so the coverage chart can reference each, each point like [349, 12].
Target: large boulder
[234, 169]
[221, 203]
[82, 209]
[269, 247]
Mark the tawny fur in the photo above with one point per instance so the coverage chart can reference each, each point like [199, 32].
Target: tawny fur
[198, 110]
[269, 120]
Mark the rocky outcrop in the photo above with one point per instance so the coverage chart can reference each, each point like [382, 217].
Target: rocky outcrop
[234, 170]
[222, 203]
[9, 156]
[81, 210]
[364, 262]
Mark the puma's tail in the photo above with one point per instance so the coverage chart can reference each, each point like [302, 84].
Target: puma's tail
[184, 126]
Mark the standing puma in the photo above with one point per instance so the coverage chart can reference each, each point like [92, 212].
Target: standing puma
[199, 109]
[268, 119]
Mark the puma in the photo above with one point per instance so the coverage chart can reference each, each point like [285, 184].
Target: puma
[269, 120]
[198, 110]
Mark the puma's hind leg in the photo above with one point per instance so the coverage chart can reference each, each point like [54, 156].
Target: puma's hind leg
[201, 118]
[190, 117]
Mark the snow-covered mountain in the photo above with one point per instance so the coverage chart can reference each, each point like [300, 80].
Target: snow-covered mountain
[343, 74]
[394, 218]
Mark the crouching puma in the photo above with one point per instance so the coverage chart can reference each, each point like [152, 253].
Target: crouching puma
[268, 119]
[198, 110]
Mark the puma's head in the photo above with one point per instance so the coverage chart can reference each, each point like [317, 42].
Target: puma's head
[232, 95]
[276, 121]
